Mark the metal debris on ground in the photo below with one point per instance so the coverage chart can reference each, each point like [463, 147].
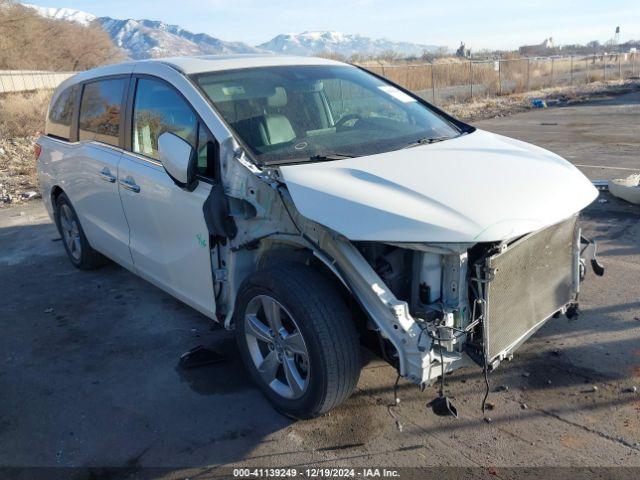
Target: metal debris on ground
[200, 356]
[29, 195]
[524, 406]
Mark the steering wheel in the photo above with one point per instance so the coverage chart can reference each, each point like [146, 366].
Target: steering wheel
[348, 117]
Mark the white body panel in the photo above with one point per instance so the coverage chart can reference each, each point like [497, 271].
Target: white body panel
[169, 237]
[475, 188]
[82, 170]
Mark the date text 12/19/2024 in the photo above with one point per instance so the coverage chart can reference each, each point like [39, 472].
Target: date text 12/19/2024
[315, 473]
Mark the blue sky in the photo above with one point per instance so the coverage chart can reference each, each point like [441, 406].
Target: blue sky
[481, 24]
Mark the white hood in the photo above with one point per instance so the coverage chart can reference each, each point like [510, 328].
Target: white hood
[475, 188]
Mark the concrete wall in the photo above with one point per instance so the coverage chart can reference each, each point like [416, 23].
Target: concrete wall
[26, 80]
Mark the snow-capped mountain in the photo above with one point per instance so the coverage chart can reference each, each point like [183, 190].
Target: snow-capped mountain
[149, 39]
[77, 16]
[153, 39]
[311, 43]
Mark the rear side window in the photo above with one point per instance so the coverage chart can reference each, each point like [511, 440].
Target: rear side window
[157, 109]
[61, 114]
[100, 111]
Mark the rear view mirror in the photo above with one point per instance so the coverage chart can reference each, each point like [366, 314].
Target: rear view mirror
[177, 159]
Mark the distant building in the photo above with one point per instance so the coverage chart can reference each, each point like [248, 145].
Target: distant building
[463, 51]
[541, 49]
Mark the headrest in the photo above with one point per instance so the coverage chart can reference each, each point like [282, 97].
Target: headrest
[278, 99]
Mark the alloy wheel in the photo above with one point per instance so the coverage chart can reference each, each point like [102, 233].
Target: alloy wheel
[277, 347]
[70, 232]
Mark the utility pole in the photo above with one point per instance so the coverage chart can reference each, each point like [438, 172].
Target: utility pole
[471, 77]
[571, 70]
[433, 84]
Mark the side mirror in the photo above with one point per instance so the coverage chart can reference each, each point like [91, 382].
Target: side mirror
[177, 159]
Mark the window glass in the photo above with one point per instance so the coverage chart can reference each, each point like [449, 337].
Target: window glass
[207, 152]
[348, 98]
[300, 113]
[61, 113]
[100, 111]
[157, 109]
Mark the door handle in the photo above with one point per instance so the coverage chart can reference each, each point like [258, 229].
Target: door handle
[130, 184]
[105, 174]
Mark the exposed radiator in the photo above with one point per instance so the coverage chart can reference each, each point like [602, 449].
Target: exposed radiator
[531, 280]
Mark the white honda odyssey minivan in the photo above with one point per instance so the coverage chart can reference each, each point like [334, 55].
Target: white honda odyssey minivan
[313, 207]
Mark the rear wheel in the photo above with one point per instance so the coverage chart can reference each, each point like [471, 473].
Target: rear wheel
[81, 254]
[297, 338]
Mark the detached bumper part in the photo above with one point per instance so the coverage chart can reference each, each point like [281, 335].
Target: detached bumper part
[588, 252]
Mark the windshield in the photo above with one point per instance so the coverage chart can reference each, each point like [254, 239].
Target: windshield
[312, 113]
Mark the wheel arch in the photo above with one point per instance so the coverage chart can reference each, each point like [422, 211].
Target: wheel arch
[285, 252]
[54, 193]
[56, 190]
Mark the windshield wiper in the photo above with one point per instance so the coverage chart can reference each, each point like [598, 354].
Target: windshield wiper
[328, 157]
[426, 141]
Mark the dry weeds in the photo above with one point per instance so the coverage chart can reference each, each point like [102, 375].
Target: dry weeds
[23, 114]
[520, 102]
[21, 119]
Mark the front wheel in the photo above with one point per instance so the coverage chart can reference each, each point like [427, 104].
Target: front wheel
[297, 338]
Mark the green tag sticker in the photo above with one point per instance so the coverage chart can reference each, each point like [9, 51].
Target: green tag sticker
[201, 240]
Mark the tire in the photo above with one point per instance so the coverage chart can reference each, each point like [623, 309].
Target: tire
[308, 304]
[80, 253]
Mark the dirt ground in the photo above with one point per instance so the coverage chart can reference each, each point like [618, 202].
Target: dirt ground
[89, 372]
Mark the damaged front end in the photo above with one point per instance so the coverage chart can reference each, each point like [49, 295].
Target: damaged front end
[433, 307]
[477, 303]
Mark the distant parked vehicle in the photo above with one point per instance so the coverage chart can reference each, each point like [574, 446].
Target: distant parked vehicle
[311, 206]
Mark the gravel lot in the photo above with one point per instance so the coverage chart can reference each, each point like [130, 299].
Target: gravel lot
[89, 374]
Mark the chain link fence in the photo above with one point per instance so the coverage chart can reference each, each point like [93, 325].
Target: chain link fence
[442, 83]
[465, 80]
[30, 80]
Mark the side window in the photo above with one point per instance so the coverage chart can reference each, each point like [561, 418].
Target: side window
[100, 111]
[207, 152]
[158, 108]
[61, 114]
